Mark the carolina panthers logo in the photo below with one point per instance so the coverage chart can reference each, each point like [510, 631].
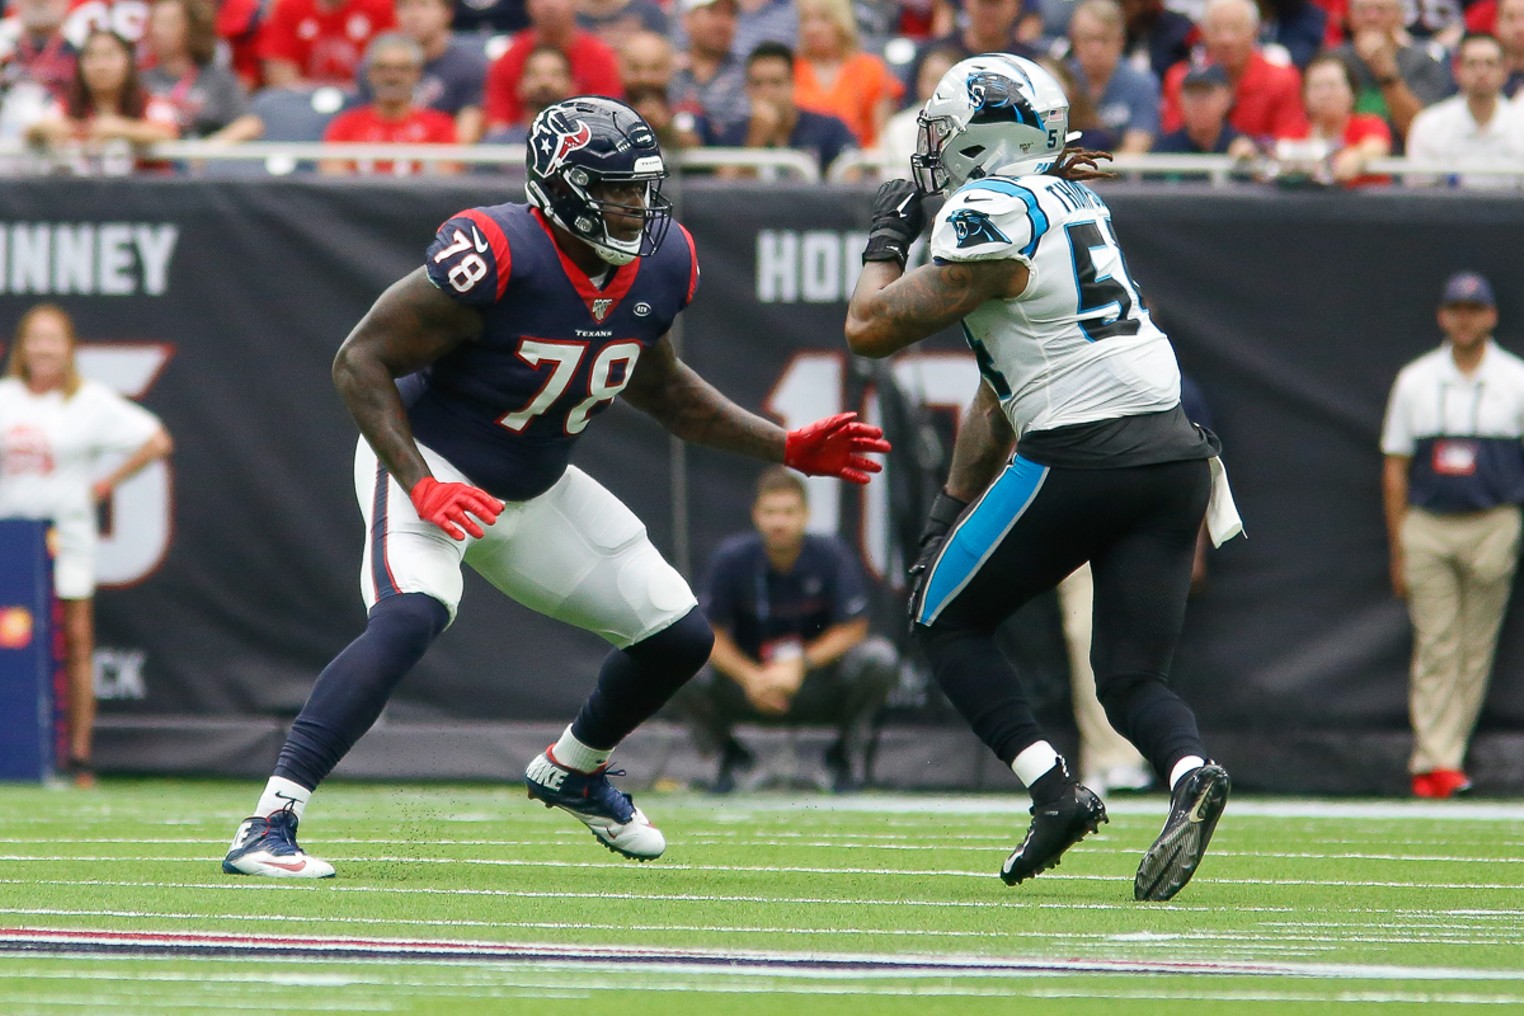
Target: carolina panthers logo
[555, 137]
[995, 99]
[974, 228]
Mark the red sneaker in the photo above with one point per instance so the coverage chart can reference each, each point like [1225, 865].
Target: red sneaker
[1423, 785]
[1449, 782]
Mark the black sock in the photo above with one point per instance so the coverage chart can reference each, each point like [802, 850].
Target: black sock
[635, 682]
[352, 690]
[1146, 712]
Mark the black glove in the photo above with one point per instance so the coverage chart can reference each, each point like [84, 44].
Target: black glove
[945, 511]
[898, 219]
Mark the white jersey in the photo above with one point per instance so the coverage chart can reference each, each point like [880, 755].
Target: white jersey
[1077, 346]
[51, 446]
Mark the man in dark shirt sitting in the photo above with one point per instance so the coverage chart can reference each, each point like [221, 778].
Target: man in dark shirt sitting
[1206, 96]
[791, 644]
[775, 121]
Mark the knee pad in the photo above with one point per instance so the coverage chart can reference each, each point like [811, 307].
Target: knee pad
[683, 646]
[411, 620]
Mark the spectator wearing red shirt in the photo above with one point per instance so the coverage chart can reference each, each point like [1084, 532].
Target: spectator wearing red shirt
[595, 67]
[319, 42]
[1353, 139]
[1267, 98]
[393, 67]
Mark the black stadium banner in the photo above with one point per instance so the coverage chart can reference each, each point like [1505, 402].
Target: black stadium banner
[232, 573]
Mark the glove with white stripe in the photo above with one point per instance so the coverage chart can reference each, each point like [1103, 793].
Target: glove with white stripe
[898, 219]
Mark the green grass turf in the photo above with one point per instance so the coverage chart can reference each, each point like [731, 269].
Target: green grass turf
[1356, 906]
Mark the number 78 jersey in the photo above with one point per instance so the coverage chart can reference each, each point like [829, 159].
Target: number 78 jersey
[1077, 345]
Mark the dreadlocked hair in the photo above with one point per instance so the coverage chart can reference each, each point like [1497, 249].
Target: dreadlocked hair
[1072, 163]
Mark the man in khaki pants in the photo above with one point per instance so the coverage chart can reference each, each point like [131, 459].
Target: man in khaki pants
[1452, 484]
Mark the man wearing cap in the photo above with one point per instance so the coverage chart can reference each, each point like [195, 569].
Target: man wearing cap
[1452, 484]
[1206, 96]
[710, 83]
[1267, 97]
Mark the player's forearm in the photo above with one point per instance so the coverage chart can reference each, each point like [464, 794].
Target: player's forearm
[370, 394]
[879, 324]
[694, 410]
[982, 447]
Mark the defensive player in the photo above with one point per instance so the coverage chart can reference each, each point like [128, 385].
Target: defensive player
[524, 323]
[1107, 467]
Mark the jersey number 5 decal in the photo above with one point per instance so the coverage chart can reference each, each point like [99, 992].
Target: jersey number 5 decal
[1105, 301]
[564, 358]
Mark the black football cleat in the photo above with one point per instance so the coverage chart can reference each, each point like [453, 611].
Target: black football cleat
[1194, 808]
[1055, 827]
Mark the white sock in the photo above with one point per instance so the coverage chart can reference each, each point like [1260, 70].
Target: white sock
[1035, 761]
[279, 793]
[573, 754]
[1184, 766]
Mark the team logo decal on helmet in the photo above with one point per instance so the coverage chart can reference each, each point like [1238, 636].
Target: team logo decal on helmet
[559, 139]
[974, 228]
[994, 100]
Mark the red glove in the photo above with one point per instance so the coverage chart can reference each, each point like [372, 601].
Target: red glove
[834, 447]
[446, 505]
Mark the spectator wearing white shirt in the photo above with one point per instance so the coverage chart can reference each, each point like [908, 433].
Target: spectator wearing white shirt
[1477, 123]
[55, 430]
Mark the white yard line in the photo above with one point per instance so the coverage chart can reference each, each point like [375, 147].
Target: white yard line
[823, 965]
[748, 869]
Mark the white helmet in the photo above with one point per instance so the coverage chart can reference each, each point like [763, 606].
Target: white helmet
[990, 114]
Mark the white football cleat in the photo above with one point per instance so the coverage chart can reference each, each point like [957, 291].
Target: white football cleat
[609, 814]
[266, 845]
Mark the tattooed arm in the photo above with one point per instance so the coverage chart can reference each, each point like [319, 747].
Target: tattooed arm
[890, 311]
[984, 443]
[671, 392]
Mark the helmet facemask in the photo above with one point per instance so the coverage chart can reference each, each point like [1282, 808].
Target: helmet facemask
[926, 168]
[584, 214]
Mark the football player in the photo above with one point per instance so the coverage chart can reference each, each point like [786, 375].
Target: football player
[1107, 468]
[471, 379]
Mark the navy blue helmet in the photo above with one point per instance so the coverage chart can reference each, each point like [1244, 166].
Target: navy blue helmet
[581, 149]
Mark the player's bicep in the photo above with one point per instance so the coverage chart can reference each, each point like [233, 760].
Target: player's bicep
[410, 326]
[942, 293]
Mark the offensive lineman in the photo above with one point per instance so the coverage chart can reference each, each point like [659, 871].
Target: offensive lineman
[525, 322]
[1107, 467]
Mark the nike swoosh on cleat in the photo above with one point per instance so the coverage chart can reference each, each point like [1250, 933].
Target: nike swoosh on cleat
[296, 866]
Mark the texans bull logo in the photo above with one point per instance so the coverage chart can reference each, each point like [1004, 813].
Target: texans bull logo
[974, 228]
[559, 137]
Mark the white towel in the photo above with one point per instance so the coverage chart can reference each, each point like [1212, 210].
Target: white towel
[1222, 518]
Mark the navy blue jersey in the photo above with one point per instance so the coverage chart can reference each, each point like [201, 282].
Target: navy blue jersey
[758, 606]
[555, 350]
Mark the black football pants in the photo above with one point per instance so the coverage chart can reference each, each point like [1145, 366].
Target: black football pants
[1137, 526]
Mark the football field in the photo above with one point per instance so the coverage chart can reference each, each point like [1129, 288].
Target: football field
[470, 899]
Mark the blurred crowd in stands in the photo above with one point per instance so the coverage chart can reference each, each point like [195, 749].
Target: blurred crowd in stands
[1299, 90]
